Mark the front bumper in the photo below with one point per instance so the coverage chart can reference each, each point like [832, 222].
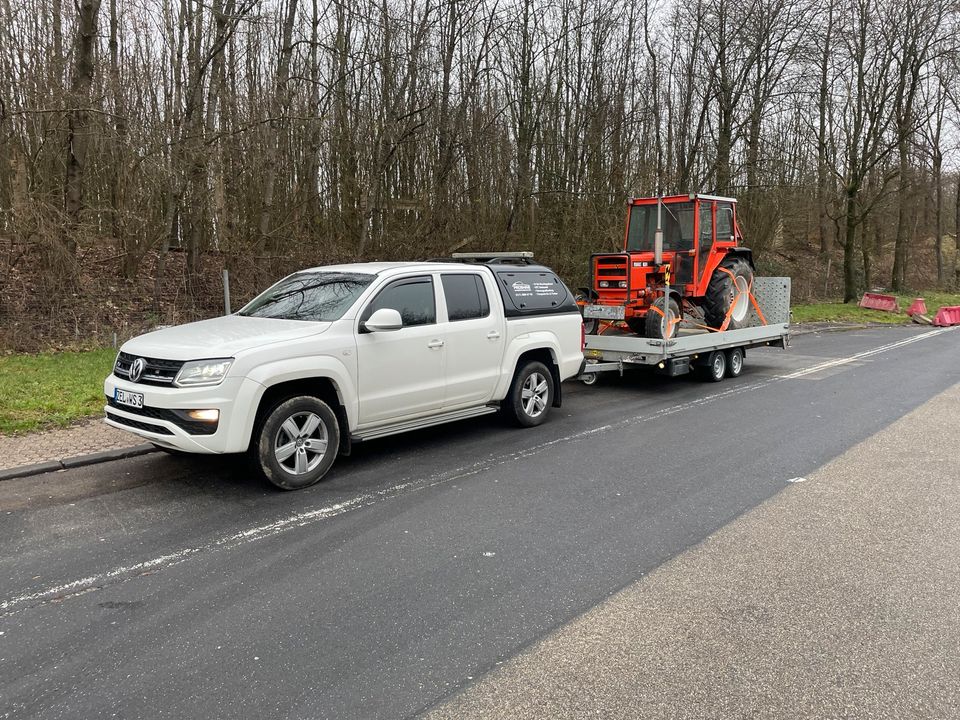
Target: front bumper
[162, 419]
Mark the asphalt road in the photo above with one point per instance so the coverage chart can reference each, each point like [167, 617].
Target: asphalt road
[167, 587]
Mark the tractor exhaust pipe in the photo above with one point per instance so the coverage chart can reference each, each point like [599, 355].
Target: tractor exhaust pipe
[658, 235]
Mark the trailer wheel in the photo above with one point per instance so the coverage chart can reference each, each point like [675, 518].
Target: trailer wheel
[715, 369]
[590, 326]
[589, 378]
[734, 362]
[531, 394]
[728, 286]
[660, 324]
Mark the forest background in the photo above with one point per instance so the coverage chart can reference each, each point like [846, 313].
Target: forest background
[146, 145]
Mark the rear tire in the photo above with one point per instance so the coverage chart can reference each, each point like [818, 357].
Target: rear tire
[724, 290]
[734, 362]
[662, 325]
[297, 442]
[531, 395]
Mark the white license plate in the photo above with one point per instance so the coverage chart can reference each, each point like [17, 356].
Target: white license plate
[604, 312]
[130, 399]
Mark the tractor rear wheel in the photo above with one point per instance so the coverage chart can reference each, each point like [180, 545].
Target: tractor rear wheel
[728, 287]
[662, 324]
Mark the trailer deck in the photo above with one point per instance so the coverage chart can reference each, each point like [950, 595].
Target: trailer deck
[616, 350]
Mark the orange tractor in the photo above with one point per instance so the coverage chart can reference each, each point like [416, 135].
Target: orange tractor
[681, 259]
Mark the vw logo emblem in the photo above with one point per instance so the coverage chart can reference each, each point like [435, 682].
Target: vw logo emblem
[137, 368]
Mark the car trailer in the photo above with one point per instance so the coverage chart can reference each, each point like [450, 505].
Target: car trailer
[718, 353]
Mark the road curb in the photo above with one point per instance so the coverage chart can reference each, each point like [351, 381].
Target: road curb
[75, 462]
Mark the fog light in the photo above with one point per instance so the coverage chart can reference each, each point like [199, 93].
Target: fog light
[661, 366]
[204, 415]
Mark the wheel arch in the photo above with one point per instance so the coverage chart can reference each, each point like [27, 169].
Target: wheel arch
[547, 356]
[319, 386]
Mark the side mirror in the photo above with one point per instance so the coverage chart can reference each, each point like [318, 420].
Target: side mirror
[383, 320]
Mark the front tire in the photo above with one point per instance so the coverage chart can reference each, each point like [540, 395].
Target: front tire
[531, 395]
[298, 441]
[660, 323]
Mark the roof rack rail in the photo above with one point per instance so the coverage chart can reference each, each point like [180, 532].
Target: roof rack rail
[520, 257]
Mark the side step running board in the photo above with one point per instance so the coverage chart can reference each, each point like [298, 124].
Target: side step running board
[384, 430]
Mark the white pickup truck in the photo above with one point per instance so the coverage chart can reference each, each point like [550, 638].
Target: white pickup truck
[337, 354]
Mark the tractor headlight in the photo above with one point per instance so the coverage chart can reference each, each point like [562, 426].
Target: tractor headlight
[604, 283]
[203, 372]
[623, 284]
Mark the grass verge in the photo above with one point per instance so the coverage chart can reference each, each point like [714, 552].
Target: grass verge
[38, 392]
[851, 312]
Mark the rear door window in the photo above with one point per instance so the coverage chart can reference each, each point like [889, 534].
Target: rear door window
[533, 290]
[466, 297]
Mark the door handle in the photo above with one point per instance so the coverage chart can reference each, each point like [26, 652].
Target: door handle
[435, 344]
[493, 334]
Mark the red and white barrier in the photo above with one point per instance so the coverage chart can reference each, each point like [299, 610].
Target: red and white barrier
[875, 301]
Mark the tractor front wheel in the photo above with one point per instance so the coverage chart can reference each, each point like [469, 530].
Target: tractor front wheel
[728, 294]
[660, 323]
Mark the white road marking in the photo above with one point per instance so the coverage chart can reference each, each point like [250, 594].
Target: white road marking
[259, 532]
[797, 480]
[836, 362]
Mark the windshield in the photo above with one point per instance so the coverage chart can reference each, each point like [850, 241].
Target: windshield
[313, 296]
[677, 222]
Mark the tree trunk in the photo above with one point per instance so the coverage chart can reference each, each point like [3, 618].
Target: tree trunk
[78, 137]
[129, 247]
[956, 239]
[724, 146]
[826, 244]
[938, 216]
[849, 248]
[277, 108]
[904, 203]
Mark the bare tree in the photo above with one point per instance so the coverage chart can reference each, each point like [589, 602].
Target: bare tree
[78, 138]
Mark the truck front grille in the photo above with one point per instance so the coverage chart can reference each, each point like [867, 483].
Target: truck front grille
[157, 372]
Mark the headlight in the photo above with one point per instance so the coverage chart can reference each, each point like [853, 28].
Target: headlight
[203, 372]
[604, 283]
[622, 283]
